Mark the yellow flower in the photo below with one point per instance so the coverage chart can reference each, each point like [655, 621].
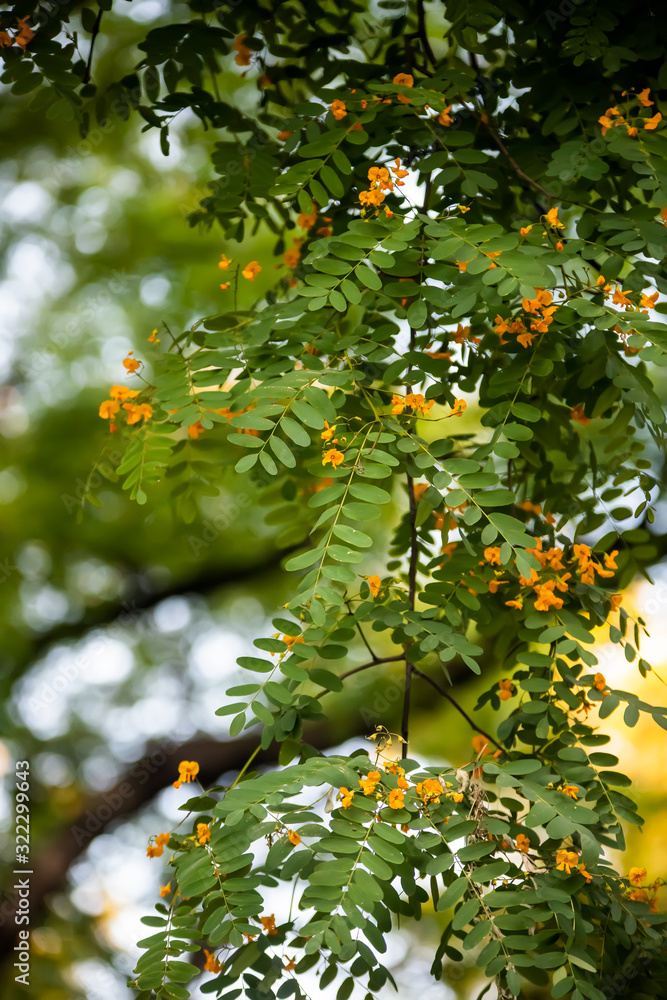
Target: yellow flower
[334, 457]
[251, 271]
[522, 843]
[637, 876]
[566, 860]
[293, 837]
[328, 432]
[339, 110]
[374, 582]
[187, 771]
[203, 833]
[396, 798]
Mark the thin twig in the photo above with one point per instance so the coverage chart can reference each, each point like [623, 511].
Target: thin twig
[363, 637]
[462, 711]
[423, 34]
[93, 38]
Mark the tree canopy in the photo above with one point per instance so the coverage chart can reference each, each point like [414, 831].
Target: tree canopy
[430, 356]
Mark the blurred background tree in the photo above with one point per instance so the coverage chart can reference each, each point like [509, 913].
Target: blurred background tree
[120, 624]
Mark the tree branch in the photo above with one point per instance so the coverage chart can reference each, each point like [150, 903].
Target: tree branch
[462, 711]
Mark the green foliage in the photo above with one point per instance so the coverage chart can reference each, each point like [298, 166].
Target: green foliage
[543, 234]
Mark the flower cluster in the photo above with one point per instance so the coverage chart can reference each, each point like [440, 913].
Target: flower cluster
[612, 118]
[121, 397]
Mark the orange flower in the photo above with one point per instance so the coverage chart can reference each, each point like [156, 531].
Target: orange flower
[374, 582]
[224, 263]
[398, 404]
[157, 849]
[346, 796]
[194, 430]
[396, 797]
[334, 457]
[328, 432]
[459, 406]
[446, 119]
[203, 833]
[269, 925]
[283, 136]
[522, 843]
[109, 408]
[553, 220]
[211, 964]
[643, 98]
[292, 257]
[165, 889]
[559, 245]
[5, 40]
[187, 772]
[582, 871]
[370, 782]
[479, 743]
[26, 34]
[577, 414]
[130, 363]
[492, 555]
[506, 691]
[518, 604]
[652, 123]
[429, 790]
[289, 640]
[243, 53]
[403, 80]
[616, 601]
[251, 270]
[566, 860]
[462, 265]
[339, 110]
[525, 230]
[293, 837]
[649, 301]
[571, 791]
[637, 876]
